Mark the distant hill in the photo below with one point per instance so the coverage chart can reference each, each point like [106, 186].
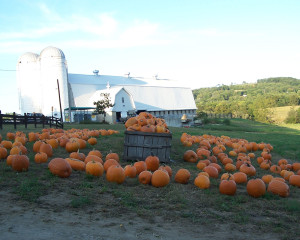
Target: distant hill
[249, 100]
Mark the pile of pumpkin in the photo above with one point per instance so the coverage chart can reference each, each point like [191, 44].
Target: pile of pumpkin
[238, 165]
[146, 122]
[15, 152]
[149, 171]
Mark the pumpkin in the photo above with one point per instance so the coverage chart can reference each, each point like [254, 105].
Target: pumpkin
[160, 178]
[295, 180]
[23, 150]
[94, 168]
[40, 157]
[10, 136]
[60, 167]
[72, 146]
[130, 171]
[265, 165]
[145, 177]
[3, 152]
[152, 162]
[15, 151]
[10, 158]
[227, 187]
[6, 144]
[92, 141]
[296, 166]
[112, 155]
[110, 162]
[148, 128]
[275, 169]
[20, 163]
[53, 142]
[115, 174]
[93, 158]
[77, 155]
[166, 168]
[226, 176]
[76, 164]
[46, 148]
[82, 143]
[240, 177]
[201, 165]
[96, 153]
[203, 173]
[203, 153]
[212, 171]
[32, 137]
[130, 121]
[279, 188]
[230, 167]
[267, 178]
[140, 167]
[182, 176]
[190, 156]
[256, 187]
[202, 181]
[217, 166]
[248, 169]
[287, 175]
[282, 161]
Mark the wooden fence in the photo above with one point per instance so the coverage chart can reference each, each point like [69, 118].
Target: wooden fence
[15, 119]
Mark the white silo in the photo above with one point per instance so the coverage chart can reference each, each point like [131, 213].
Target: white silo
[29, 84]
[53, 66]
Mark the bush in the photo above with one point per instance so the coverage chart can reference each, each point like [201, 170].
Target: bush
[293, 116]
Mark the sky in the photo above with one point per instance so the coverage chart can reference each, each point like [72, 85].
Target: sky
[197, 43]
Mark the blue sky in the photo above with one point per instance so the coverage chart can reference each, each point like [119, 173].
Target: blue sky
[200, 43]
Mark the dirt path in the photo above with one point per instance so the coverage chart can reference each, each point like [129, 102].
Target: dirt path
[52, 219]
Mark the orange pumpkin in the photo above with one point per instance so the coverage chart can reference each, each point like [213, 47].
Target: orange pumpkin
[227, 187]
[20, 163]
[145, 177]
[190, 156]
[256, 187]
[110, 162]
[60, 167]
[140, 167]
[41, 157]
[279, 188]
[160, 178]
[112, 155]
[240, 177]
[202, 182]
[115, 174]
[76, 164]
[94, 168]
[94, 158]
[152, 162]
[130, 171]
[46, 148]
[182, 176]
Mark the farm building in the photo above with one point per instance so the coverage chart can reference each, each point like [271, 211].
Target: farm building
[39, 77]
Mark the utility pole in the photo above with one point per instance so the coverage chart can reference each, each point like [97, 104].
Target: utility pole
[61, 116]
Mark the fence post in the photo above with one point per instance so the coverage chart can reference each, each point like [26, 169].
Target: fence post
[43, 121]
[25, 120]
[34, 119]
[15, 120]
[0, 120]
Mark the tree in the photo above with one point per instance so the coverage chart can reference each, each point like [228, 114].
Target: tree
[103, 104]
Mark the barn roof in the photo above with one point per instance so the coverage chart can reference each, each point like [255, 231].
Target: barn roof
[148, 94]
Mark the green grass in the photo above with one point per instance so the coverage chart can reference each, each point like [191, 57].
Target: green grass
[175, 202]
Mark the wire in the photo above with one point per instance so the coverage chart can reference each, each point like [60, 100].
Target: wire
[7, 70]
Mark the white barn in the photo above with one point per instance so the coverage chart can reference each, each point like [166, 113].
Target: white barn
[37, 84]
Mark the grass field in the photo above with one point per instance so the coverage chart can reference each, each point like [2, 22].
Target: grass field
[279, 114]
[188, 205]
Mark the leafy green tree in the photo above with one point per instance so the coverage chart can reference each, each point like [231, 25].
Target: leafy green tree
[103, 104]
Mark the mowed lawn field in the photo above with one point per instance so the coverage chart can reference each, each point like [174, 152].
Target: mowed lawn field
[93, 208]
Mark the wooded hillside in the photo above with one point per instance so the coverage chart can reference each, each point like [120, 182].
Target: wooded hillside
[249, 100]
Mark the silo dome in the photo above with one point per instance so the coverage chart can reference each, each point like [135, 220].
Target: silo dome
[28, 57]
[52, 52]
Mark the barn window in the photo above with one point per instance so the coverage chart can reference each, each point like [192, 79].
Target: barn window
[122, 99]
